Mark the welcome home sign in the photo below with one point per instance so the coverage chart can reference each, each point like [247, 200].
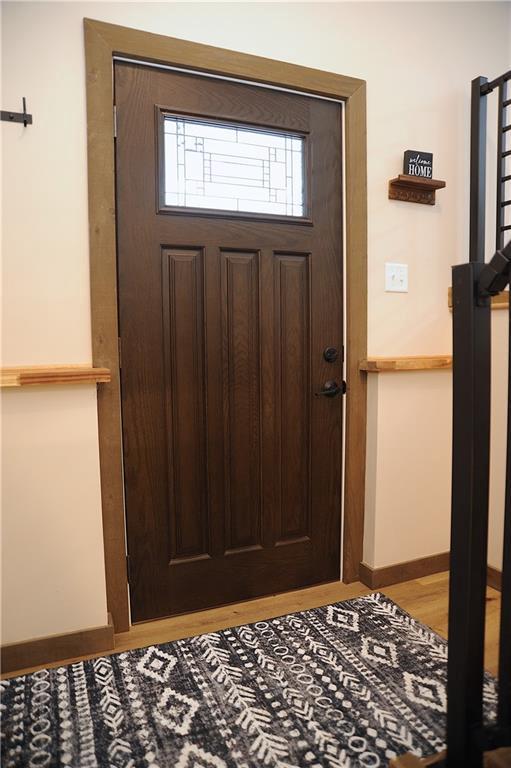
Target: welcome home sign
[418, 164]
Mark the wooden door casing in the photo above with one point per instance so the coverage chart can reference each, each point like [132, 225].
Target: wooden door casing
[232, 466]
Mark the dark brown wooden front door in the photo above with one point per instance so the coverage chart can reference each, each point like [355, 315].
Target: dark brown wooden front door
[232, 463]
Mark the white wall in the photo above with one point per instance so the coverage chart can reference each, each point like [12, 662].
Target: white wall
[498, 436]
[408, 493]
[418, 60]
[52, 544]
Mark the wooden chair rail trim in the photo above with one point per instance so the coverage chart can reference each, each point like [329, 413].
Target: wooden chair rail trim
[500, 301]
[53, 374]
[411, 363]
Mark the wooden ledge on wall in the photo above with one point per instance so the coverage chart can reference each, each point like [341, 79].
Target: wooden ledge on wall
[500, 301]
[53, 374]
[412, 189]
[407, 363]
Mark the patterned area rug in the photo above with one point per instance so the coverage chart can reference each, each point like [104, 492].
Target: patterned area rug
[350, 684]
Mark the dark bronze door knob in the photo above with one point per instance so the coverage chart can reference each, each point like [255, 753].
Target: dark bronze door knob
[331, 389]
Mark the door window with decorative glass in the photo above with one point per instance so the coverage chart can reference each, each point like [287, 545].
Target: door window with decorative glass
[228, 167]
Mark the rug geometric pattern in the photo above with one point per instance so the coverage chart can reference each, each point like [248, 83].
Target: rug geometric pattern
[348, 685]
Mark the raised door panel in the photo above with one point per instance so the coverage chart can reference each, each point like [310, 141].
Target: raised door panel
[184, 388]
[241, 355]
[293, 366]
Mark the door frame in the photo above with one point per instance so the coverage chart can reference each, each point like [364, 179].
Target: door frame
[102, 43]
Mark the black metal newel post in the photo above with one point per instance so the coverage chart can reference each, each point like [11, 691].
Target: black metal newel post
[469, 522]
[469, 739]
[473, 286]
[504, 708]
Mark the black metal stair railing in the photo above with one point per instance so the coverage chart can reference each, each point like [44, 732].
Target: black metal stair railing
[504, 176]
[468, 736]
[481, 89]
[504, 707]
[504, 127]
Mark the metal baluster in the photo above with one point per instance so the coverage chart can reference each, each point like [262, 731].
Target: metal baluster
[500, 210]
[477, 169]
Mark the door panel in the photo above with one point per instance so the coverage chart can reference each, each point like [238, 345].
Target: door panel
[292, 329]
[185, 423]
[232, 465]
[241, 383]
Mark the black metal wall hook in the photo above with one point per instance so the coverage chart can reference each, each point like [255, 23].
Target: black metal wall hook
[18, 117]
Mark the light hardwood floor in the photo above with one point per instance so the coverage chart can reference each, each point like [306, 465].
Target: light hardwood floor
[426, 599]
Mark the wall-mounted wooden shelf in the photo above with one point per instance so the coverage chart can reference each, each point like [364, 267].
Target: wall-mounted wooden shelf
[53, 374]
[412, 189]
[500, 301]
[412, 363]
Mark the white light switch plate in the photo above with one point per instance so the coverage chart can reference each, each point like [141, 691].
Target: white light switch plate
[396, 277]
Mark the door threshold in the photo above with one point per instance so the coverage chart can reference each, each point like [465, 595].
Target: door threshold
[157, 631]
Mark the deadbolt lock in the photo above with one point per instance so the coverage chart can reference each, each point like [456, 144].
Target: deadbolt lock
[330, 354]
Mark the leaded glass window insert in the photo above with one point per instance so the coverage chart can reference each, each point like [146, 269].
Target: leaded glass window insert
[233, 168]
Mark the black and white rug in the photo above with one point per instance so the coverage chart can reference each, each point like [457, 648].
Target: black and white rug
[351, 684]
